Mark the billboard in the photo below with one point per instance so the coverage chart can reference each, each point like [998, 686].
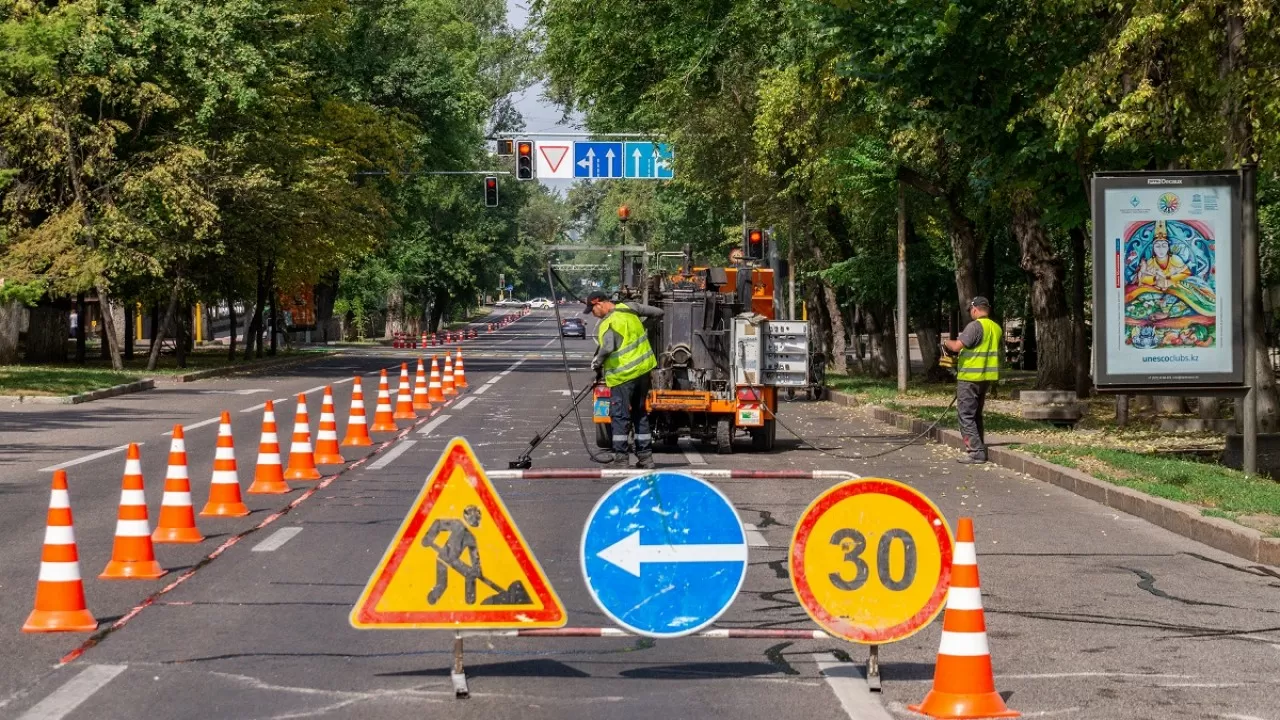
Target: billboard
[1167, 288]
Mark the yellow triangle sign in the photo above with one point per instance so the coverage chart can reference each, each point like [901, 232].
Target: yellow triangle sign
[458, 560]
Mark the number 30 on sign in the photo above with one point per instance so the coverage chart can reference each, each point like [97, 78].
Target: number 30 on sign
[871, 560]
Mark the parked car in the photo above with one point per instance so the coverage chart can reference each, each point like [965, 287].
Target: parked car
[573, 327]
[540, 304]
[511, 302]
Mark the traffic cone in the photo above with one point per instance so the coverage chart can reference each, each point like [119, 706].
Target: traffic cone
[268, 478]
[404, 396]
[132, 554]
[420, 400]
[302, 462]
[59, 603]
[459, 373]
[327, 452]
[177, 521]
[357, 424]
[963, 683]
[224, 488]
[383, 419]
[447, 383]
[435, 391]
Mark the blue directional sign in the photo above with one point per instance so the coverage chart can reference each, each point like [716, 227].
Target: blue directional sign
[597, 159]
[664, 554]
[649, 161]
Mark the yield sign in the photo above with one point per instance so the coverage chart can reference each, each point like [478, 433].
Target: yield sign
[458, 560]
[553, 161]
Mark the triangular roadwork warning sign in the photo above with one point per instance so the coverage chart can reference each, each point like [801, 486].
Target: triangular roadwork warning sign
[554, 155]
[458, 560]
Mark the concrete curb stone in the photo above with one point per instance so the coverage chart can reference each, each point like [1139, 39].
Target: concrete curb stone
[1179, 518]
[125, 389]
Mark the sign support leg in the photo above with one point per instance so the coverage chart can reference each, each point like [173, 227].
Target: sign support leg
[459, 675]
[873, 668]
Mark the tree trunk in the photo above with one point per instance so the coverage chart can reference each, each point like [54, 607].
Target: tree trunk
[839, 343]
[10, 328]
[111, 337]
[130, 320]
[1055, 366]
[231, 329]
[882, 358]
[47, 332]
[253, 334]
[81, 331]
[1084, 383]
[395, 312]
[157, 339]
[274, 294]
[180, 334]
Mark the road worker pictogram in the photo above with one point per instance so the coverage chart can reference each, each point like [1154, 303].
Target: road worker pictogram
[458, 560]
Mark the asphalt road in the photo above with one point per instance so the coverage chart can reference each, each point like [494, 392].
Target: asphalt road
[1091, 613]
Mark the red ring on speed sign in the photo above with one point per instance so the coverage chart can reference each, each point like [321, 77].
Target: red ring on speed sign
[843, 626]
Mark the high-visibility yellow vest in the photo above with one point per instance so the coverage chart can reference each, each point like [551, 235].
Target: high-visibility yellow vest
[634, 357]
[982, 363]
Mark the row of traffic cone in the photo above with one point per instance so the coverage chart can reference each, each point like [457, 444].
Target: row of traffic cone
[60, 601]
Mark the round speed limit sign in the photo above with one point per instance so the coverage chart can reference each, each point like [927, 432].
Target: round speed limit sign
[871, 560]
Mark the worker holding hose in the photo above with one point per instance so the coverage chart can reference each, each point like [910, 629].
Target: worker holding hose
[624, 359]
[976, 370]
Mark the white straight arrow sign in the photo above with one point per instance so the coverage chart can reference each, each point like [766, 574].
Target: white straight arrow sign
[629, 554]
[636, 154]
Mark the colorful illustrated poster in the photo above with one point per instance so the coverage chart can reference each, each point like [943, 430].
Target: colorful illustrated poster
[1170, 302]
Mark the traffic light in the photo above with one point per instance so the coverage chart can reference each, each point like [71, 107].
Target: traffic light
[524, 159]
[755, 248]
[506, 148]
[490, 191]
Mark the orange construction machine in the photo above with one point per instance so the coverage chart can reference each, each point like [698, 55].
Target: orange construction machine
[721, 354]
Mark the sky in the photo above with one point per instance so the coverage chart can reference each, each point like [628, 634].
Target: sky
[540, 116]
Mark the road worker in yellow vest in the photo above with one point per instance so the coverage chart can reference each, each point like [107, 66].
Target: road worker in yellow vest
[976, 370]
[624, 359]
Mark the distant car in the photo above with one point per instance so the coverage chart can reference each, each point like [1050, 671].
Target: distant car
[573, 327]
[541, 304]
[511, 302]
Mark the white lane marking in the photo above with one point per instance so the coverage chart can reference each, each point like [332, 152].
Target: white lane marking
[84, 459]
[259, 406]
[76, 690]
[566, 393]
[691, 456]
[848, 683]
[314, 389]
[481, 391]
[464, 402]
[276, 539]
[754, 537]
[426, 429]
[193, 426]
[392, 454]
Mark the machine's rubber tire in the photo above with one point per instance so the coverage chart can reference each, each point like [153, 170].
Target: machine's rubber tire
[762, 439]
[724, 436]
[604, 436]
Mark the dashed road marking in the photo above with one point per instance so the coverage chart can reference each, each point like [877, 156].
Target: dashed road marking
[464, 402]
[848, 683]
[84, 459]
[754, 537]
[426, 429]
[74, 692]
[193, 426]
[691, 456]
[392, 454]
[259, 406]
[277, 539]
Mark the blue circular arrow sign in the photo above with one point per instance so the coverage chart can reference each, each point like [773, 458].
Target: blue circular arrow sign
[664, 554]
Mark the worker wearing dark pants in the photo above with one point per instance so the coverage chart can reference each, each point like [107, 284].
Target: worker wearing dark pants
[624, 359]
[977, 368]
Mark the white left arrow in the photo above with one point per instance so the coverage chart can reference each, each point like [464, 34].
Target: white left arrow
[629, 554]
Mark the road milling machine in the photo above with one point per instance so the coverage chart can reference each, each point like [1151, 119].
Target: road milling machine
[721, 354]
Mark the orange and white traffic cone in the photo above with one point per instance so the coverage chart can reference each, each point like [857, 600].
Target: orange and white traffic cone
[177, 521]
[964, 685]
[420, 400]
[435, 391]
[224, 488]
[404, 396]
[302, 461]
[447, 382]
[357, 424]
[327, 452]
[132, 555]
[60, 605]
[268, 478]
[383, 418]
[459, 372]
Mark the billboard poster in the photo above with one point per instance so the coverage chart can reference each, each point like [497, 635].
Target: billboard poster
[1167, 290]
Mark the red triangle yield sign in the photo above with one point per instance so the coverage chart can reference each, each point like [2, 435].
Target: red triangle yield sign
[431, 575]
[555, 157]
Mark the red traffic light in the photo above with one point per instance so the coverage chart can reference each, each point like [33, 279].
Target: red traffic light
[525, 148]
[491, 182]
[524, 160]
[755, 236]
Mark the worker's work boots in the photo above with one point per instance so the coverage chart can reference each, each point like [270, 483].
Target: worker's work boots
[619, 461]
[644, 462]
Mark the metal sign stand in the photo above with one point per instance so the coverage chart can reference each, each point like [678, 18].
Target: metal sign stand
[873, 668]
[459, 674]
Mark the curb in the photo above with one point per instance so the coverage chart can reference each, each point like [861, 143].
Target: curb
[1178, 518]
[125, 389]
[246, 367]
